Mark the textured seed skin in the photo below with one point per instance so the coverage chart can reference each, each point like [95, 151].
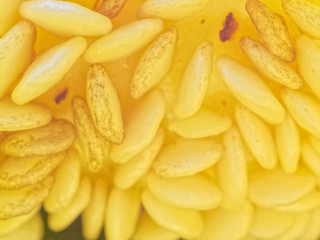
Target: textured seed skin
[194, 83]
[270, 66]
[272, 30]
[22, 201]
[65, 18]
[14, 117]
[171, 9]
[310, 158]
[17, 43]
[55, 137]
[154, 63]
[123, 41]
[110, 8]
[48, 69]
[89, 138]
[250, 90]
[104, 104]
[20, 172]
[305, 15]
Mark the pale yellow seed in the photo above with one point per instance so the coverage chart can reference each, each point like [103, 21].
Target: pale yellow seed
[123, 41]
[257, 136]
[16, 44]
[192, 192]
[194, 83]
[272, 30]
[104, 104]
[308, 60]
[287, 140]
[22, 201]
[171, 9]
[61, 219]
[232, 170]
[122, 214]
[55, 137]
[155, 63]
[66, 18]
[304, 109]
[315, 143]
[232, 224]
[312, 230]
[270, 66]
[127, 174]
[89, 138]
[275, 187]
[10, 225]
[250, 90]
[67, 179]
[310, 158]
[19, 172]
[9, 14]
[185, 222]
[141, 127]
[48, 69]
[147, 229]
[305, 15]
[204, 123]
[93, 215]
[187, 157]
[110, 8]
[14, 117]
[268, 223]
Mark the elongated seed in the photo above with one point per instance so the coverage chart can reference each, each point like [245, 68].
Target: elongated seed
[9, 15]
[110, 8]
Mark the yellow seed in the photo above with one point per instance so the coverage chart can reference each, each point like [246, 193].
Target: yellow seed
[127, 174]
[154, 63]
[268, 223]
[250, 90]
[257, 136]
[88, 136]
[232, 170]
[67, 178]
[275, 187]
[104, 104]
[171, 9]
[270, 66]
[33, 230]
[308, 60]
[194, 83]
[228, 224]
[305, 15]
[141, 127]
[122, 214]
[315, 143]
[204, 123]
[61, 219]
[19, 172]
[187, 157]
[22, 201]
[287, 140]
[185, 222]
[110, 8]
[9, 14]
[16, 44]
[304, 109]
[14, 117]
[10, 225]
[193, 192]
[312, 231]
[310, 158]
[272, 30]
[55, 137]
[48, 69]
[93, 215]
[123, 41]
[304, 204]
[66, 18]
[148, 229]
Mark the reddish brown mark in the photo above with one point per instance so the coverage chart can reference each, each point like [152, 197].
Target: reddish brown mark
[61, 96]
[230, 25]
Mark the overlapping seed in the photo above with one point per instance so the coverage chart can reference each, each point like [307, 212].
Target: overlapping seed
[9, 15]
[109, 8]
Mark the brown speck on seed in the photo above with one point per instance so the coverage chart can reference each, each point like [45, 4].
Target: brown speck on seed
[230, 25]
[202, 21]
[110, 8]
[61, 96]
